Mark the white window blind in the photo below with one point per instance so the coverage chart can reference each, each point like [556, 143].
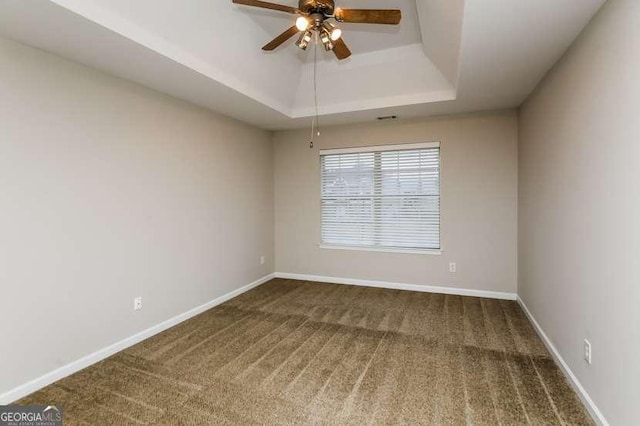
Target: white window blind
[382, 197]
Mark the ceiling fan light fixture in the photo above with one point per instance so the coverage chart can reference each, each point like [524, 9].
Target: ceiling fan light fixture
[325, 38]
[302, 23]
[304, 40]
[334, 32]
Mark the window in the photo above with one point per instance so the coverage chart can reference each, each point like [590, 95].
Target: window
[381, 198]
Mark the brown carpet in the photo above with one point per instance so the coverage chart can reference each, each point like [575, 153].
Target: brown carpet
[292, 352]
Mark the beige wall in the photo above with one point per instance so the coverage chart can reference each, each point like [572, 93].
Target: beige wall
[478, 204]
[579, 223]
[109, 191]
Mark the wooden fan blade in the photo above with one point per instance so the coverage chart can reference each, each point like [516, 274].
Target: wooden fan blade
[267, 5]
[281, 38]
[369, 16]
[341, 50]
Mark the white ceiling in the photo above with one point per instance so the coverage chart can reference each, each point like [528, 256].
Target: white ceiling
[447, 56]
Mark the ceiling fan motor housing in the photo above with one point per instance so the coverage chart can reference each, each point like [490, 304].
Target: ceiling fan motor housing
[326, 7]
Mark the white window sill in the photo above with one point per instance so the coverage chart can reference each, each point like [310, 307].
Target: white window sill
[382, 250]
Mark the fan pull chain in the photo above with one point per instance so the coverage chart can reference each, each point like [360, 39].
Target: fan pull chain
[315, 121]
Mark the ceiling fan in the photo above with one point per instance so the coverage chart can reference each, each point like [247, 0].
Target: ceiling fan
[313, 20]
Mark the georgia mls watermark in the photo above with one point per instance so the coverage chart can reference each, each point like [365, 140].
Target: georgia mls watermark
[30, 415]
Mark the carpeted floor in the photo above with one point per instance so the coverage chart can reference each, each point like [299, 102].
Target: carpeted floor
[292, 352]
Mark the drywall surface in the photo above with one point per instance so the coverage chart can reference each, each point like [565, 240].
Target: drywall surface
[478, 204]
[110, 191]
[579, 208]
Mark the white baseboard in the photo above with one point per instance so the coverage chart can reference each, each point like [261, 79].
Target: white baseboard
[594, 411]
[66, 370]
[399, 286]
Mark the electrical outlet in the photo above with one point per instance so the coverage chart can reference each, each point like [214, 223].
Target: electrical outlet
[587, 351]
[452, 267]
[137, 303]
[262, 260]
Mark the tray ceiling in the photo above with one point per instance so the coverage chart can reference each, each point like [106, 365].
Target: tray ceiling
[447, 56]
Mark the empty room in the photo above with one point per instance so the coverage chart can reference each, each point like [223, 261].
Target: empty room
[332, 212]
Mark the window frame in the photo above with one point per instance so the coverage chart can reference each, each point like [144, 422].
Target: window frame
[374, 149]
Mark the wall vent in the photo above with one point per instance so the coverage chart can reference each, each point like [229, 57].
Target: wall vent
[388, 118]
